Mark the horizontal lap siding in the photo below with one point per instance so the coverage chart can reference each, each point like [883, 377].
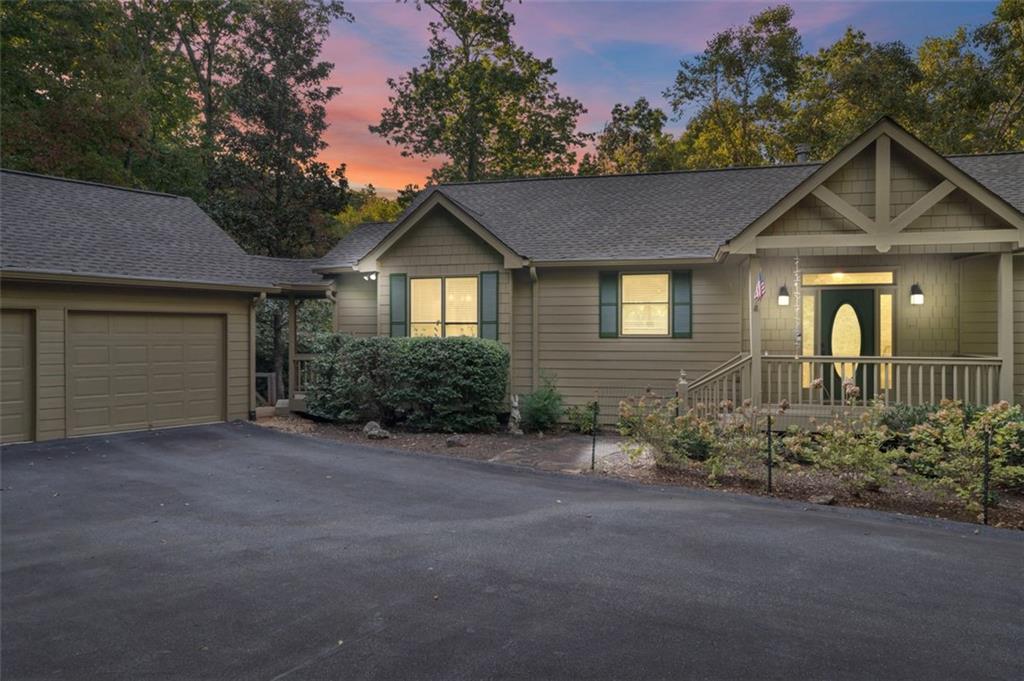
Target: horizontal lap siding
[355, 308]
[618, 368]
[1018, 326]
[52, 302]
[522, 332]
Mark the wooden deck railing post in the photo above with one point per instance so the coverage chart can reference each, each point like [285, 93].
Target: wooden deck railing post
[1004, 321]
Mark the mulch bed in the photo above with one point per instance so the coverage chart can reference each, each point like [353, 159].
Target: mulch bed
[799, 484]
[478, 446]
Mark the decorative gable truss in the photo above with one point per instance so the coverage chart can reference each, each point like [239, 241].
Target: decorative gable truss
[884, 230]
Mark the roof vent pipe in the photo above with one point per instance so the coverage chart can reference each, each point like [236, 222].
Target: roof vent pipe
[803, 152]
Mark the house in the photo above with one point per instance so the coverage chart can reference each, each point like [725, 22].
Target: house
[889, 256]
[888, 267]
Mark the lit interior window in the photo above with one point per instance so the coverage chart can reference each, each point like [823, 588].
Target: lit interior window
[807, 336]
[846, 339]
[885, 338]
[425, 307]
[645, 302]
[460, 306]
[443, 306]
[847, 278]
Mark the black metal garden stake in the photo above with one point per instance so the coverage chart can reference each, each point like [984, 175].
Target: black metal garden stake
[984, 479]
[769, 454]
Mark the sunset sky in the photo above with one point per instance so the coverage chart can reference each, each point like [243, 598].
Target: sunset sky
[605, 52]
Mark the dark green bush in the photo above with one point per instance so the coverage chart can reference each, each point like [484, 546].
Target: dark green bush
[439, 384]
[542, 409]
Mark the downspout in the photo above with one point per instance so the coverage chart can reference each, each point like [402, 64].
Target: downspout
[535, 328]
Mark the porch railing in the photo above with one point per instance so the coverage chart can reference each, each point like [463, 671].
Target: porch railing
[728, 381]
[817, 380]
[302, 366]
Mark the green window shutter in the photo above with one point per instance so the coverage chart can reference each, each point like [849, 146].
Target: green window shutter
[682, 304]
[399, 304]
[488, 305]
[608, 306]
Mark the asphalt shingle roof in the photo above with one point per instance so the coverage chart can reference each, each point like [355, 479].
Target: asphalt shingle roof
[60, 226]
[1001, 174]
[54, 225]
[683, 214]
[356, 244]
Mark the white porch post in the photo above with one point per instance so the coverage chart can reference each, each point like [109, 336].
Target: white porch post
[293, 335]
[755, 332]
[1004, 323]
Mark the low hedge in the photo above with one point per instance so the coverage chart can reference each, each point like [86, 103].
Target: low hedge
[437, 384]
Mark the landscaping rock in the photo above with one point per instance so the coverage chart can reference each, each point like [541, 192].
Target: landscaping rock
[456, 441]
[373, 431]
[823, 499]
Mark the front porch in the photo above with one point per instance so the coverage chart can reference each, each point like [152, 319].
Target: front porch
[292, 321]
[843, 332]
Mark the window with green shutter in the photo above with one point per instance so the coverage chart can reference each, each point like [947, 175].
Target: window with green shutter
[489, 305]
[608, 304]
[645, 304]
[399, 306]
[682, 304]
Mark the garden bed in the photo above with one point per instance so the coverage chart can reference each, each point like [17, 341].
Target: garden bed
[804, 483]
[570, 453]
[564, 452]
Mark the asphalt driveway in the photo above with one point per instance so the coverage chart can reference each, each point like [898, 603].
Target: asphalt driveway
[232, 552]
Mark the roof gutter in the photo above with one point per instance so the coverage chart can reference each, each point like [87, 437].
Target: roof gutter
[621, 262]
[116, 280]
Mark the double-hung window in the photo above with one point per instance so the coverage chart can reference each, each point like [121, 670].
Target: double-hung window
[645, 304]
[443, 306]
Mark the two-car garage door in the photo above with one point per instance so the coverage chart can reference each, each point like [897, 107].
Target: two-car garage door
[136, 371]
[124, 371]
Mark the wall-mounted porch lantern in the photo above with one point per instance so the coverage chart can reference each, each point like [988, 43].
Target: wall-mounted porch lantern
[783, 297]
[372, 276]
[916, 295]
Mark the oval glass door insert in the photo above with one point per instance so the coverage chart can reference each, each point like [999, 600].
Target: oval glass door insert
[846, 339]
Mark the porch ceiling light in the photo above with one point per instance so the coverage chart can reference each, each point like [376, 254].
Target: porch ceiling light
[916, 295]
[372, 276]
[783, 297]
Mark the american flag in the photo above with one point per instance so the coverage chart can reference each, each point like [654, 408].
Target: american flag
[760, 288]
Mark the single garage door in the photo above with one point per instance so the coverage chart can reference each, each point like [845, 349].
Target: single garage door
[17, 376]
[131, 371]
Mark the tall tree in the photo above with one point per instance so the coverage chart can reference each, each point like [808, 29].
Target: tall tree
[268, 188]
[737, 88]
[87, 93]
[480, 101]
[956, 94]
[207, 35]
[1002, 39]
[365, 205]
[634, 141]
[847, 86]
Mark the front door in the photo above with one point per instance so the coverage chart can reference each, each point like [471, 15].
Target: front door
[848, 330]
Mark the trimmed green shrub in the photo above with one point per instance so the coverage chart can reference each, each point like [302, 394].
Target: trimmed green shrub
[542, 409]
[438, 384]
